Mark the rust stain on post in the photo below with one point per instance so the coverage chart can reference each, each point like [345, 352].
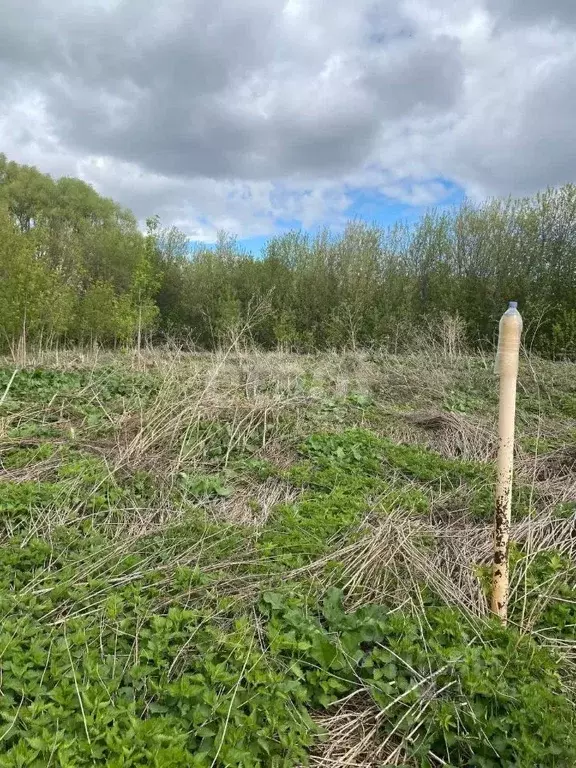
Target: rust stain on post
[507, 368]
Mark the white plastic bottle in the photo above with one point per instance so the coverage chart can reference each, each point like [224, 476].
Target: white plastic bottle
[510, 317]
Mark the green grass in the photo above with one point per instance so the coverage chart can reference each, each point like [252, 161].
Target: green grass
[144, 622]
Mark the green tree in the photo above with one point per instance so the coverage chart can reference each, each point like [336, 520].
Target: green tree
[34, 301]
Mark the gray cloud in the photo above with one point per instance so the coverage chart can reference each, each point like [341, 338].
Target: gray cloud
[221, 90]
[534, 11]
[536, 147]
[220, 113]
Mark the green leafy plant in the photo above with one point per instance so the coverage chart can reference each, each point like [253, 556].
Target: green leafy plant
[471, 695]
[200, 487]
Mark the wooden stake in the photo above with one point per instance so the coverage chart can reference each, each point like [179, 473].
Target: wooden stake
[507, 368]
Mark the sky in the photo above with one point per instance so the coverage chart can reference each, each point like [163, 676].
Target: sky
[255, 116]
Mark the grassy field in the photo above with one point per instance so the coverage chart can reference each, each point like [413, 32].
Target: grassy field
[248, 559]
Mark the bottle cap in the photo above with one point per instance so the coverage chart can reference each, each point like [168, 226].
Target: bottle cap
[512, 305]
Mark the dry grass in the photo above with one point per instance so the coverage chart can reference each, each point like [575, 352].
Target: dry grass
[358, 733]
[255, 395]
[456, 436]
[253, 503]
[354, 737]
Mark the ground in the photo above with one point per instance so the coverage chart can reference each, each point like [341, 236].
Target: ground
[249, 559]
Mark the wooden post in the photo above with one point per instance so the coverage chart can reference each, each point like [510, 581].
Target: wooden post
[507, 368]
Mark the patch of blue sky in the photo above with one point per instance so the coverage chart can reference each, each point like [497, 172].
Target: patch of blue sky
[374, 207]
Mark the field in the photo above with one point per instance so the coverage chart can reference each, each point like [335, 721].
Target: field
[248, 559]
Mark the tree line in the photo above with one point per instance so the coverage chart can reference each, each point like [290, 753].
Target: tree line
[75, 268]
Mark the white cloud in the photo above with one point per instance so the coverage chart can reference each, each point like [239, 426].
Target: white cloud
[245, 115]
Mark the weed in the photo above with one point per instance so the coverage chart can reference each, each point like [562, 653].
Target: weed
[146, 621]
[18, 458]
[198, 487]
[462, 693]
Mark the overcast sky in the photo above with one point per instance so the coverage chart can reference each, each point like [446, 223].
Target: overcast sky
[251, 115]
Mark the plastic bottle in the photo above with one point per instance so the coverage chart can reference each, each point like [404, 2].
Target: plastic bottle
[509, 318]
